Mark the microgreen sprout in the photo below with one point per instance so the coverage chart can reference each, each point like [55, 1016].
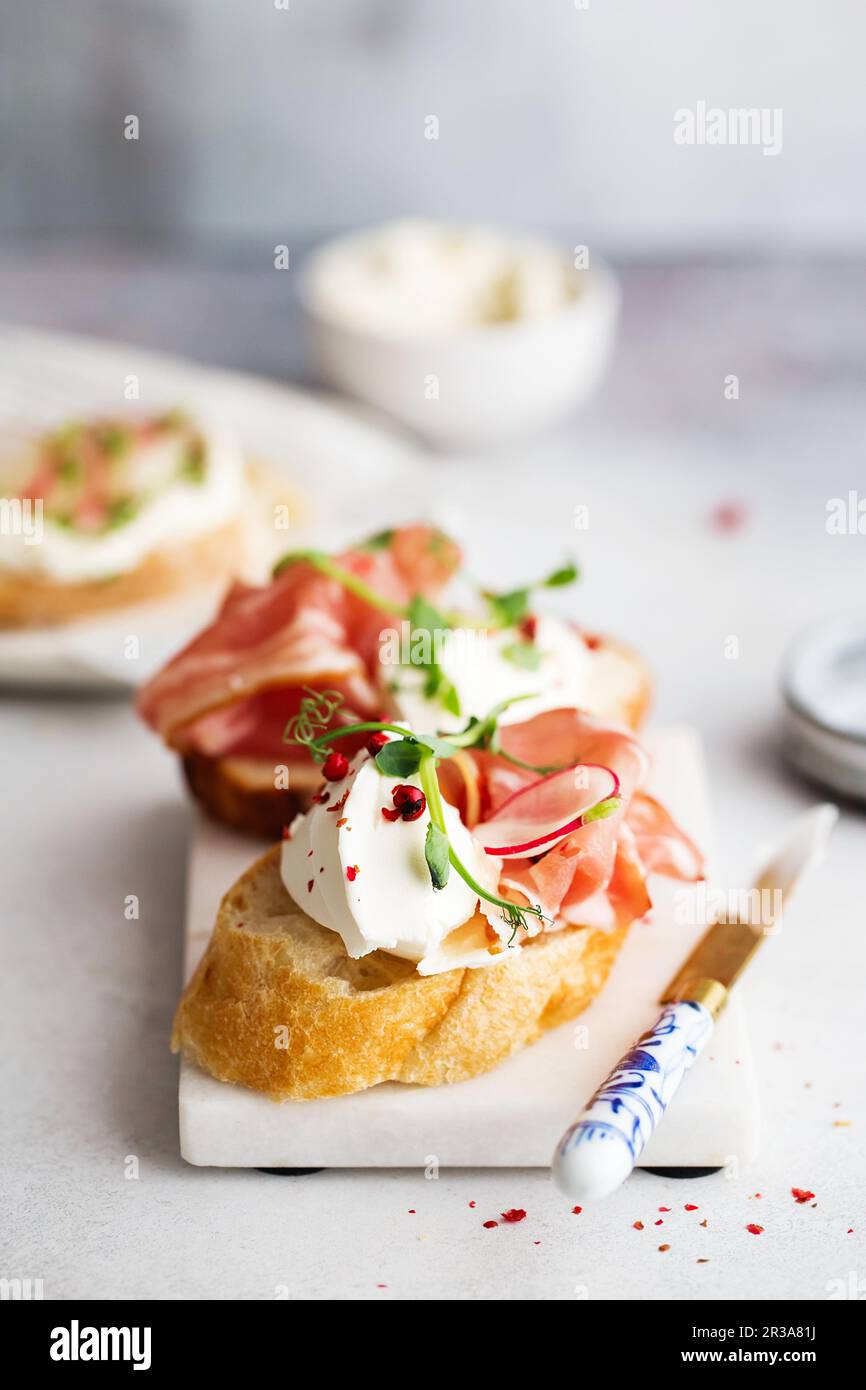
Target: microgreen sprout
[511, 608]
[316, 710]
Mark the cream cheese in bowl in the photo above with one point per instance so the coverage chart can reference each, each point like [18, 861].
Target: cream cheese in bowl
[419, 278]
[468, 334]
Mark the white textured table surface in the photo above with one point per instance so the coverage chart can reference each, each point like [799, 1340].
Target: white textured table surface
[93, 812]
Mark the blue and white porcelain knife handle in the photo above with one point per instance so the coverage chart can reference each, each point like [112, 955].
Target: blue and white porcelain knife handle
[597, 1153]
[599, 1150]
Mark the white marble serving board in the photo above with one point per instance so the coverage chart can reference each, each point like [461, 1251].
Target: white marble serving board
[513, 1116]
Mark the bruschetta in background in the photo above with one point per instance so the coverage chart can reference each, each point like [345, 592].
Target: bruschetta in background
[108, 512]
[391, 627]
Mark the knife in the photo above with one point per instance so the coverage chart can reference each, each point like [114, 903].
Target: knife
[598, 1152]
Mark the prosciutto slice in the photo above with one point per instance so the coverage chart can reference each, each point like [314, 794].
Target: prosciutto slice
[663, 847]
[595, 876]
[232, 689]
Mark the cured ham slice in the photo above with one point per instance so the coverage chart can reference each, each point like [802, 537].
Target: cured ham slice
[624, 897]
[596, 874]
[303, 629]
[254, 728]
[285, 636]
[562, 738]
[662, 846]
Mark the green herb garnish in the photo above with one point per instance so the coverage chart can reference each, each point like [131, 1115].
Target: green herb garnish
[171, 420]
[567, 574]
[69, 468]
[437, 854]
[113, 440]
[193, 464]
[399, 758]
[523, 654]
[315, 712]
[511, 608]
[380, 541]
[602, 810]
[67, 436]
[325, 565]
[355, 585]
[120, 512]
[514, 915]
[427, 621]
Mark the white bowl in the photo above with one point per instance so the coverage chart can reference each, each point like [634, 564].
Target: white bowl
[480, 386]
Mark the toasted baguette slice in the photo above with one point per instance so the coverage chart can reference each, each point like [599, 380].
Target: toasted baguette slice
[240, 792]
[34, 601]
[278, 1006]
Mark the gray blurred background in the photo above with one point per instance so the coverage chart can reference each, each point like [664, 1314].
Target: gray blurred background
[263, 124]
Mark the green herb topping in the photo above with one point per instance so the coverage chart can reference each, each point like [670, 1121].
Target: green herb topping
[511, 608]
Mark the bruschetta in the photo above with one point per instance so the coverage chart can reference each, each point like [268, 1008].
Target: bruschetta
[389, 626]
[107, 512]
[443, 901]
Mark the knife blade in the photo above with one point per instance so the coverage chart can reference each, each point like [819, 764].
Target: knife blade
[722, 954]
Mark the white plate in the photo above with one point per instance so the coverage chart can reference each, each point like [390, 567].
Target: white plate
[337, 455]
[513, 1116]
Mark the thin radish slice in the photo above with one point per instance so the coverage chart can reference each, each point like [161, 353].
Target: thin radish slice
[538, 816]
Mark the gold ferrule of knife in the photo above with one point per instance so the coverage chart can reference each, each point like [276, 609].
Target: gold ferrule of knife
[711, 993]
[719, 959]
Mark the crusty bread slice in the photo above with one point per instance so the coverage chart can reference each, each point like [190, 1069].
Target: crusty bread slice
[240, 792]
[278, 1006]
[36, 601]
